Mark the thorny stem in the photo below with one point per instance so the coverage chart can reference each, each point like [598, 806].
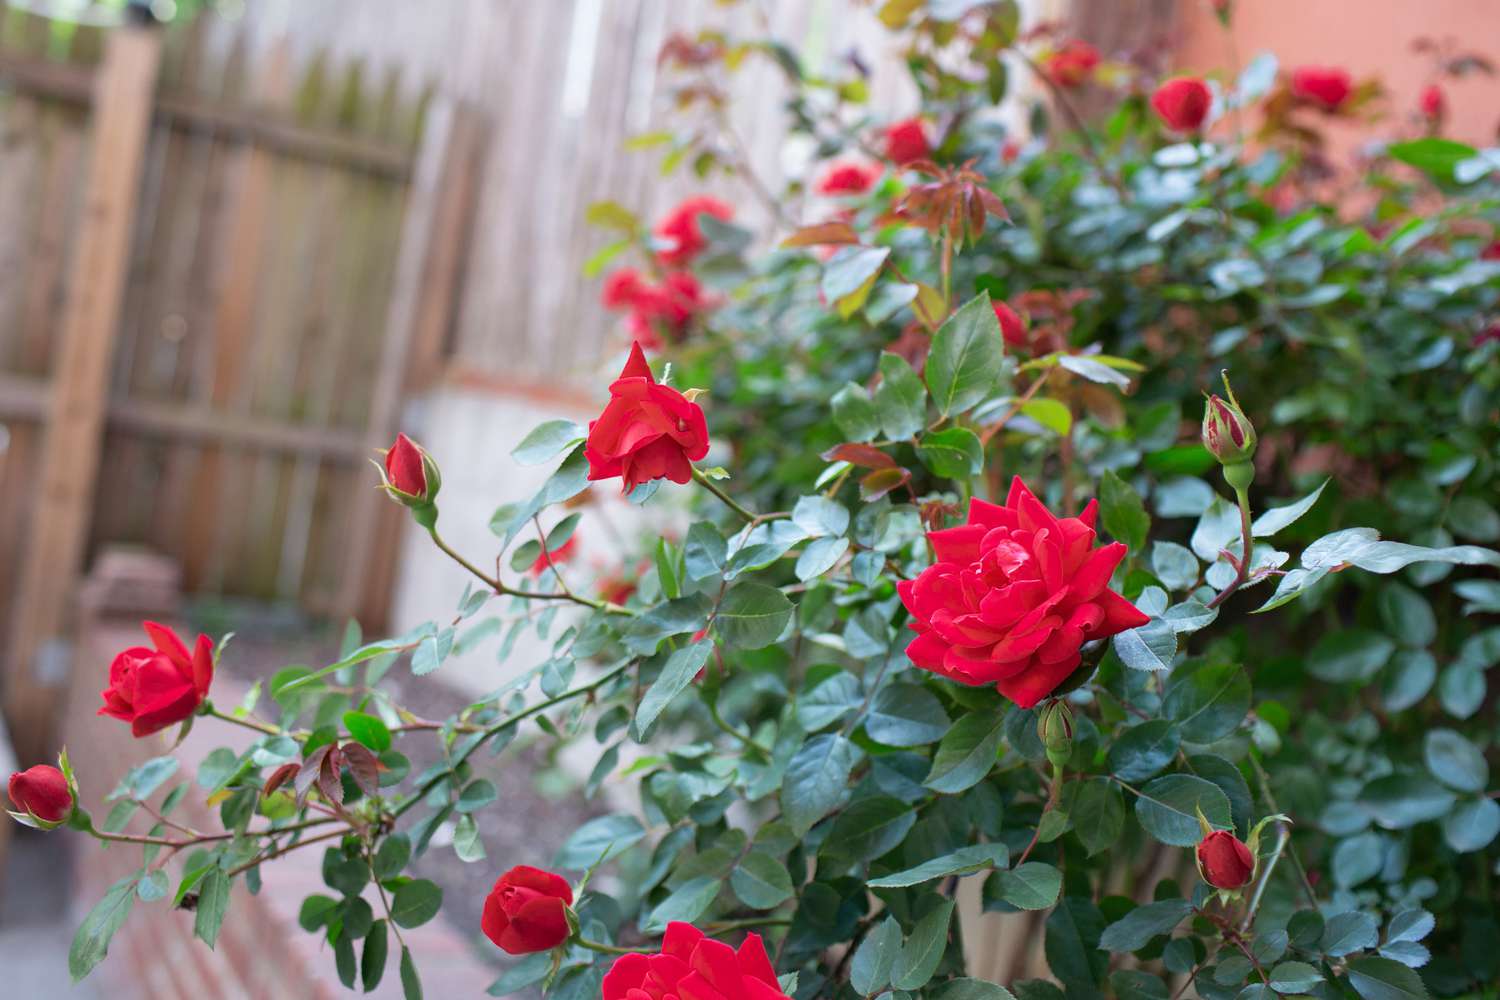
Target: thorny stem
[702, 479]
[1242, 573]
[1053, 794]
[260, 727]
[608, 949]
[1283, 835]
[500, 588]
[277, 852]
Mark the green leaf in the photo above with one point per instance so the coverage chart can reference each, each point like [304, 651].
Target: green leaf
[820, 556]
[1376, 978]
[599, 840]
[476, 795]
[685, 903]
[952, 453]
[213, 900]
[920, 955]
[830, 701]
[1208, 701]
[963, 364]
[1349, 655]
[1348, 932]
[966, 753]
[850, 274]
[1135, 930]
[377, 950]
[1168, 808]
[1433, 156]
[1144, 750]
[818, 516]
[761, 881]
[91, 942]
[1032, 886]
[546, 441]
[964, 988]
[900, 399]
[411, 986]
[964, 861]
[1152, 646]
[369, 730]
[815, 780]
[906, 715]
[752, 615]
[1294, 977]
[1121, 512]
[1137, 984]
[1098, 815]
[416, 902]
[870, 969]
[1277, 518]
[676, 676]
[1455, 761]
[1174, 565]
[869, 828]
[1472, 825]
[142, 781]
[1051, 414]
[392, 855]
[855, 414]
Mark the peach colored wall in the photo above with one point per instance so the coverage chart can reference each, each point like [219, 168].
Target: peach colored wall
[1369, 37]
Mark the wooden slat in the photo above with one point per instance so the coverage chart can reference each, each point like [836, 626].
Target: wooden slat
[50, 569]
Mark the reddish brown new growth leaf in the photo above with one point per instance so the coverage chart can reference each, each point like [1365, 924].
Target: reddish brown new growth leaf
[279, 777]
[311, 768]
[330, 781]
[862, 455]
[958, 200]
[880, 482]
[822, 234]
[684, 51]
[363, 767]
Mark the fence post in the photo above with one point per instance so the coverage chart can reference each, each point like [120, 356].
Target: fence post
[39, 657]
[429, 274]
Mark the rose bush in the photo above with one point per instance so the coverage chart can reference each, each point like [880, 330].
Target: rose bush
[1204, 688]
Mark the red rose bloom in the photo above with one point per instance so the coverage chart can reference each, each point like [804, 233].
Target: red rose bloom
[1182, 103]
[622, 288]
[1224, 861]
[526, 911]
[692, 966]
[1491, 252]
[563, 553]
[667, 308]
[680, 228]
[1073, 65]
[403, 467]
[1326, 86]
[1013, 596]
[848, 178]
[1489, 333]
[906, 141]
[1012, 326]
[153, 688]
[1433, 102]
[647, 431]
[41, 792]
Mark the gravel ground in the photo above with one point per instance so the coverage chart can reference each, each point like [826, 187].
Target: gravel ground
[522, 775]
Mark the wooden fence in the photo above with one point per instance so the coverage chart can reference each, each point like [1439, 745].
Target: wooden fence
[214, 269]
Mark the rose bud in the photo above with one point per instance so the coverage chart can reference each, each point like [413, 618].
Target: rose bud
[647, 431]
[906, 141]
[1433, 102]
[527, 911]
[42, 794]
[1012, 327]
[1055, 729]
[693, 965]
[1328, 87]
[1224, 861]
[1182, 103]
[682, 233]
[153, 688]
[1073, 65]
[1013, 596]
[410, 475]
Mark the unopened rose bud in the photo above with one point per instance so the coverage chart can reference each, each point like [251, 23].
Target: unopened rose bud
[411, 477]
[528, 910]
[42, 796]
[1055, 728]
[1224, 861]
[1230, 437]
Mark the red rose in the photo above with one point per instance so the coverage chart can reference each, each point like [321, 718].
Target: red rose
[403, 467]
[547, 560]
[153, 688]
[1224, 861]
[622, 288]
[1012, 326]
[693, 966]
[526, 911]
[1010, 151]
[1433, 102]
[41, 792]
[680, 228]
[1182, 103]
[1326, 86]
[655, 309]
[1491, 252]
[1013, 596]
[1073, 65]
[647, 431]
[906, 141]
[849, 178]
[1489, 333]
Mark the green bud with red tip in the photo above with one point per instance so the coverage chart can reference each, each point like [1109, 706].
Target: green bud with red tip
[1230, 437]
